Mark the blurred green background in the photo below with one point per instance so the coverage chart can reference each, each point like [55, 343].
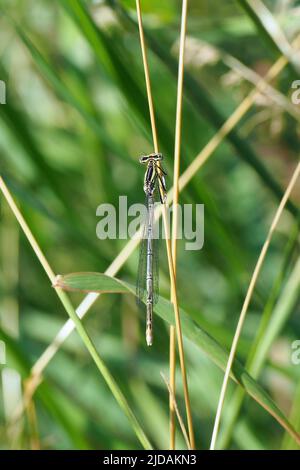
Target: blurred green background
[74, 124]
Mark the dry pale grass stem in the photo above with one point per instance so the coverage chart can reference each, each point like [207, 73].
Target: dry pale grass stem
[177, 412]
[177, 149]
[174, 298]
[247, 300]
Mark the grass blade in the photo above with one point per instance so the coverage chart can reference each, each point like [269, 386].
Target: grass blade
[193, 332]
[266, 322]
[176, 172]
[48, 71]
[116, 391]
[203, 103]
[247, 300]
[269, 28]
[288, 443]
[112, 58]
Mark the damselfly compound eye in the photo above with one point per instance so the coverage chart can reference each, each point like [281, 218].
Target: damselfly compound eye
[158, 157]
[144, 159]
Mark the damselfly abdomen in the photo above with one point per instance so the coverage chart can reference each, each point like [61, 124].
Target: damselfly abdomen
[148, 272]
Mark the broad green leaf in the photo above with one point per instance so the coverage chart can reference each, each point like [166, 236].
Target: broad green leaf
[89, 282]
[98, 282]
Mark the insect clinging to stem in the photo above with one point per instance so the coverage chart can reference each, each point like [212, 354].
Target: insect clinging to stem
[148, 273]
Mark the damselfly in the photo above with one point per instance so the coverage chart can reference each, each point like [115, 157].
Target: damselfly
[147, 282]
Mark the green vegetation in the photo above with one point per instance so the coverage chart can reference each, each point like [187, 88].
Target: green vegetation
[74, 124]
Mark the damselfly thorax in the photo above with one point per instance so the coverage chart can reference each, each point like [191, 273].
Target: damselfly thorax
[154, 175]
[147, 282]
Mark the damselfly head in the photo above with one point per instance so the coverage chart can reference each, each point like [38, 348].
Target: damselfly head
[154, 157]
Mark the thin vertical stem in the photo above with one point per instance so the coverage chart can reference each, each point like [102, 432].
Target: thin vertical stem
[167, 236]
[147, 77]
[40, 255]
[177, 148]
[180, 420]
[172, 372]
[33, 426]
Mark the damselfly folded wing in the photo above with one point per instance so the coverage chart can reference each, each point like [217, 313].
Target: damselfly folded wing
[142, 268]
[141, 289]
